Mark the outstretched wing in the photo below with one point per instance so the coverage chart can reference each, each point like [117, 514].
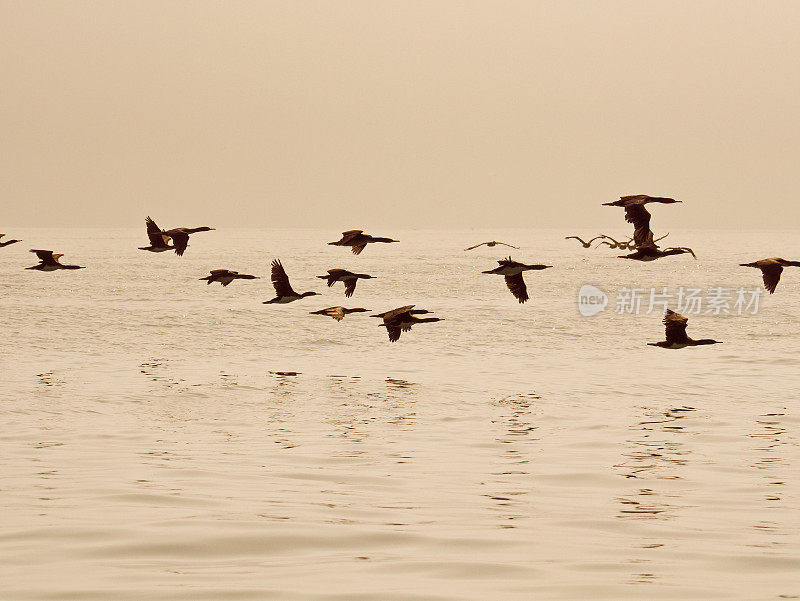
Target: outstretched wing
[394, 333]
[509, 245]
[157, 237]
[476, 246]
[389, 315]
[280, 280]
[180, 239]
[675, 326]
[349, 235]
[357, 249]
[517, 287]
[45, 256]
[350, 287]
[771, 275]
[639, 216]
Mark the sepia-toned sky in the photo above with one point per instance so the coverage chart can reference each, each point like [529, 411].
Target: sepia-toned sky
[380, 114]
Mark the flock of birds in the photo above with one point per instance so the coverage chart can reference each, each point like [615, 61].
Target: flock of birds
[642, 243]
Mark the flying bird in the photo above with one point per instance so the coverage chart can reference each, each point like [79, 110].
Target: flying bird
[358, 240]
[159, 241]
[349, 278]
[7, 242]
[651, 252]
[491, 244]
[614, 243]
[338, 313]
[179, 235]
[675, 326]
[512, 270]
[771, 270]
[49, 262]
[283, 289]
[401, 319]
[225, 276]
[638, 215]
[583, 244]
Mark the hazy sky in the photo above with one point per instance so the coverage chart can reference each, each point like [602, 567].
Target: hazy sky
[373, 114]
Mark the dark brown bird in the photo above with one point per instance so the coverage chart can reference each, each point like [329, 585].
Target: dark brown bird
[771, 270]
[225, 276]
[636, 214]
[159, 241]
[675, 326]
[49, 262]
[651, 252]
[512, 270]
[401, 319]
[491, 244]
[283, 289]
[338, 313]
[358, 240]
[7, 242]
[349, 278]
[179, 235]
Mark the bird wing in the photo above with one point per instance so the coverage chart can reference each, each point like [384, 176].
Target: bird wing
[394, 333]
[280, 280]
[476, 246]
[675, 326]
[152, 228]
[517, 287]
[350, 287]
[772, 275]
[639, 216]
[45, 256]
[157, 237]
[509, 245]
[389, 315]
[180, 240]
[221, 271]
[357, 249]
[349, 235]
[509, 262]
[337, 313]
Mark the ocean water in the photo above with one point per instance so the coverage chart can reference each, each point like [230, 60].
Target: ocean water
[166, 439]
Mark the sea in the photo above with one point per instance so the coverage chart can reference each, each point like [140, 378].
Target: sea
[165, 439]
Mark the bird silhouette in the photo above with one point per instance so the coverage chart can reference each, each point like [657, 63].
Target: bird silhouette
[771, 270]
[512, 270]
[675, 338]
[283, 289]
